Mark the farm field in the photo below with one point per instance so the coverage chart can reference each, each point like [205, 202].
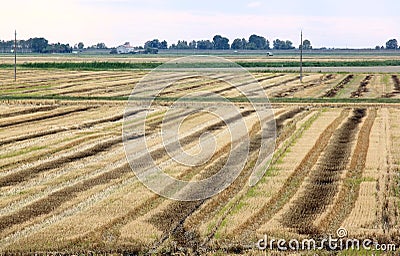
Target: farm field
[119, 84]
[66, 185]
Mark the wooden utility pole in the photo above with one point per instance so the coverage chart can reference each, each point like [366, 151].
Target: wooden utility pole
[301, 56]
[15, 57]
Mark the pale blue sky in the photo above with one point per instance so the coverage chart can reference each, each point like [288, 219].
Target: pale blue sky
[329, 23]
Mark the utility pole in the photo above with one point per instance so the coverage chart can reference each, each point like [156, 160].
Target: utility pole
[15, 57]
[301, 56]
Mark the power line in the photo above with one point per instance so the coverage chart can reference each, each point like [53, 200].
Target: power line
[301, 56]
[15, 57]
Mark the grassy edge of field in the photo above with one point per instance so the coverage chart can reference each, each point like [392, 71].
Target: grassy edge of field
[108, 65]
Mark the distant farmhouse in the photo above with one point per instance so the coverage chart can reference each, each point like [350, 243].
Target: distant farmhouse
[128, 49]
[125, 49]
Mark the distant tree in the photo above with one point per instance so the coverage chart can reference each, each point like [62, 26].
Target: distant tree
[392, 44]
[67, 48]
[148, 44]
[155, 43]
[23, 46]
[251, 46]
[377, 47]
[289, 45]
[259, 41]
[278, 44]
[182, 44]
[205, 45]
[220, 43]
[101, 46]
[7, 46]
[307, 45]
[38, 45]
[164, 45]
[58, 48]
[239, 44]
[282, 45]
[80, 45]
[193, 44]
[244, 43]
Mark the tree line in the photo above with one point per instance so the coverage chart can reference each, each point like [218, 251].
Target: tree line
[41, 45]
[391, 45]
[255, 42]
[35, 45]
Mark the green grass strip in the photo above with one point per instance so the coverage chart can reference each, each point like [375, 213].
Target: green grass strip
[95, 65]
[287, 64]
[106, 65]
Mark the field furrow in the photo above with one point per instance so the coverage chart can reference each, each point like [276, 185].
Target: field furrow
[334, 91]
[308, 83]
[40, 117]
[362, 88]
[323, 181]
[26, 111]
[268, 217]
[349, 189]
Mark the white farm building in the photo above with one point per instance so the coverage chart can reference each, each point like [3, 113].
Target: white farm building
[124, 49]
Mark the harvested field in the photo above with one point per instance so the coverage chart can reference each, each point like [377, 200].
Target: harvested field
[66, 185]
[24, 215]
[66, 84]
